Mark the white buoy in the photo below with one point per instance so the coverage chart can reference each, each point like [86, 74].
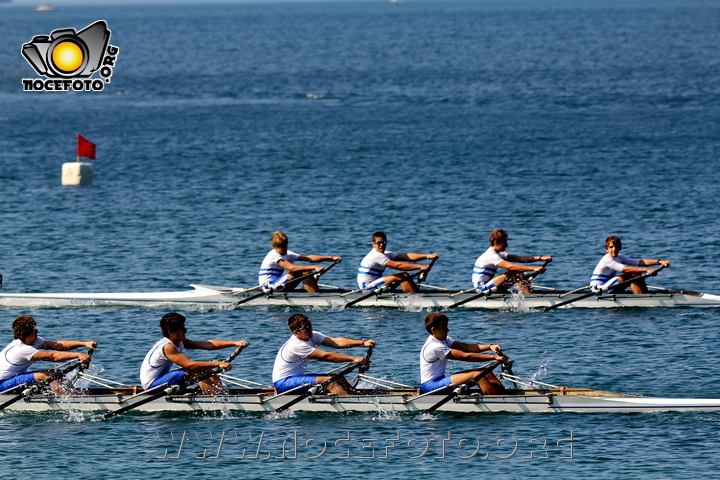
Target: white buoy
[77, 173]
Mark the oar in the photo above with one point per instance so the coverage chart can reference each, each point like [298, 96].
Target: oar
[321, 386]
[37, 387]
[600, 291]
[573, 291]
[494, 289]
[462, 388]
[271, 290]
[177, 388]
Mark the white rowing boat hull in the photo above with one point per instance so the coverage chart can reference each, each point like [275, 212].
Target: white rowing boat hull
[527, 401]
[227, 297]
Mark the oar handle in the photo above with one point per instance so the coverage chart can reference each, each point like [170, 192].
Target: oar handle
[424, 273]
[366, 367]
[531, 276]
[235, 353]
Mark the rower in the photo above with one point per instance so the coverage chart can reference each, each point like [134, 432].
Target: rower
[19, 355]
[483, 276]
[439, 348]
[370, 273]
[280, 259]
[292, 358]
[614, 268]
[155, 369]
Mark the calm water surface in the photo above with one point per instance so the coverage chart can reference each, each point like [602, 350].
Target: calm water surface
[561, 122]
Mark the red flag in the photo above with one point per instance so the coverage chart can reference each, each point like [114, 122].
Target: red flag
[85, 149]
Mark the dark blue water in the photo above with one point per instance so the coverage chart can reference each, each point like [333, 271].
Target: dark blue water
[561, 122]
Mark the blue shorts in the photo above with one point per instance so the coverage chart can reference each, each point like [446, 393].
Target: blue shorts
[17, 380]
[171, 378]
[369, 287]
[281, 284]
[436, 383]
[288, 383]
[612, 282]
[481, 287]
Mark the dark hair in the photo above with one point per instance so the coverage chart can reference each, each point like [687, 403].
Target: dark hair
[497, 235]
[435, 320]
[379, 235]
[296, 321]
[171, 322]
[613, 240]
[23, 326]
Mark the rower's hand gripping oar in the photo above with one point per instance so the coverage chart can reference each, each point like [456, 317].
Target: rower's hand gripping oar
[322, 386]
[603, 290]
[494, 288]
[37, 387]
[270, 290]
[424, 273]
[463, 387]
[177, 388]
[363, 368]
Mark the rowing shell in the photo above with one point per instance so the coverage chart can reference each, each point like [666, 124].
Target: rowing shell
[227, 296]
[554, 400]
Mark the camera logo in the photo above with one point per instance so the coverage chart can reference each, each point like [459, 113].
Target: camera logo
[67, 59]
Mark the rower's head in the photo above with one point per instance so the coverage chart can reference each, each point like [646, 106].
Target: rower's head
[498, 237]
[379, 241]
[436, 324]
[25, 329]
[172, 322]
[300, 326]
[613, 245]
[279, 242]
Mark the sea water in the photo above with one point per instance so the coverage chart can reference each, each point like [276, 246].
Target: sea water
[436, 122]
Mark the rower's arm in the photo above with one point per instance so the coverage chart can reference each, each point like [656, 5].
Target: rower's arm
[645, 262]
[473, 357]
[476, 347]
[529, 258]
[639, 270]
[334, 357]
[341, 342]
[213, 344]
[317, 258]
[415, 257]
[41, 356]
[297, 268]
[514, 267]
[63, 345]
[405, 267]
[184, 362]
